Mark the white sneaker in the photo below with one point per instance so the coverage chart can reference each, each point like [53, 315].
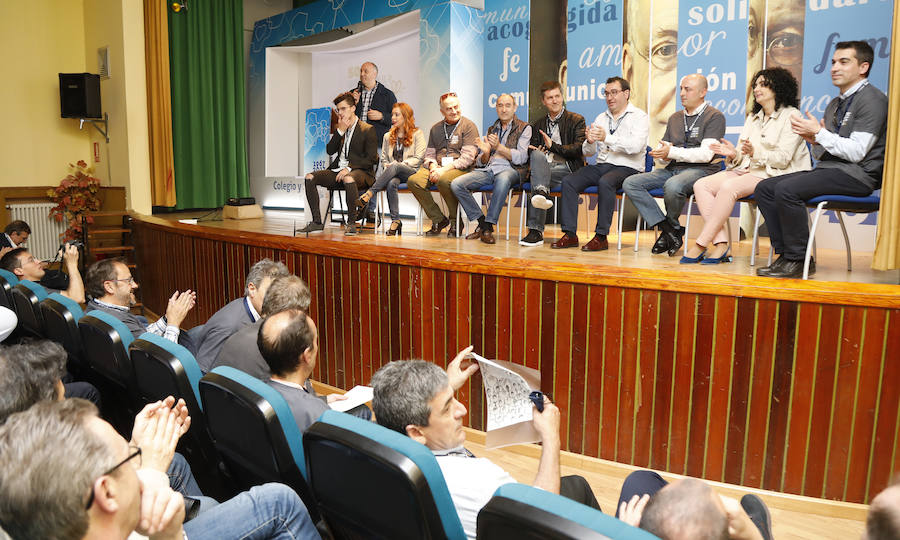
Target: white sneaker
[541, 202]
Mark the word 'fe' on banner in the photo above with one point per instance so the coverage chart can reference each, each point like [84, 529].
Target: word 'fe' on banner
[507, 33]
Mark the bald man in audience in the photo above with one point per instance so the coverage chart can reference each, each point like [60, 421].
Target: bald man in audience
[24, 265]
[241, 351]
[883, 521]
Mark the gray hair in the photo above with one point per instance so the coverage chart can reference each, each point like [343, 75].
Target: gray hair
[266, 268]
[49, 460]
[28, 374]
[685, 509]
[287, 292]
[402, 392]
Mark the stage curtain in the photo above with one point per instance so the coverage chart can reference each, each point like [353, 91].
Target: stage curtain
[159, 103]
[887, 243]
[208, 108]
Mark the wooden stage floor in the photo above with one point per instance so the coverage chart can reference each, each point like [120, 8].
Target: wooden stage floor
[830, 266]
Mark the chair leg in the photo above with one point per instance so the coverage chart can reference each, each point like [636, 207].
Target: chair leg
[620, 206]
[687, 222]
[812, 239]
[522, 210]
[508, 210]
[840, 217]
[637, 232]
[754, 248]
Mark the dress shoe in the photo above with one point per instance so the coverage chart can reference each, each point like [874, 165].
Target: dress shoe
[533, 238]
[775, 266]
[597, 243]
[692, 260]
[475, 234]
[436, 228]
[793, 269]
[350, 230]
[312, 227]
[662, 243]
[716, 260]
[568, 240]
[675, 242]
[451, 232]
[396, 229]
[488, 237]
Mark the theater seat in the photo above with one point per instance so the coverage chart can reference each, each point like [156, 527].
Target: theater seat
[528, 513]
[61, 315]
[8, 280]
[27, 295]
[254, 431]
[164, 368]
[372, 482]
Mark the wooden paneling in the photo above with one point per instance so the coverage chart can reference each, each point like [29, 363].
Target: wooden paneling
[787, 394]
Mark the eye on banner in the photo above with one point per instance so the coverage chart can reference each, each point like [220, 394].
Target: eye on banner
[506, 43]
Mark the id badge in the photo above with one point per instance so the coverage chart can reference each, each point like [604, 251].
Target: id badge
[454, 139]
[446, 161]
[549, 157]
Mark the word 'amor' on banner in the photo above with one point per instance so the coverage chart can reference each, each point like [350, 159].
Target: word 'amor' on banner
[506, 43]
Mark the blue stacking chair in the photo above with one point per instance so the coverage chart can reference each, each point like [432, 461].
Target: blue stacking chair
[164, 368]
[26, 296]
[254, 431]
[528, 513]
[8, 280]
[61, 315]
[838, 204]
[372, 482]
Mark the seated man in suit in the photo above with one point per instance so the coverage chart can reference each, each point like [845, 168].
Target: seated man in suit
[289, 343]
[241, 351]
[24, 265]
[416, 398]
[68, 474]
[14, 235]
[111, 288]
[237, 313]
[355, 148]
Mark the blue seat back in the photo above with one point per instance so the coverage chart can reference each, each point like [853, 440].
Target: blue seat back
[254, 431]
[61, 315]
[525, 512]
[648, 161]
[165, 368]
[348, 459]
[105, 341]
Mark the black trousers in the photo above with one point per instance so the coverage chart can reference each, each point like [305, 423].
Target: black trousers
[608, 178]
[577, 488]
[782, 201]
[328, 179]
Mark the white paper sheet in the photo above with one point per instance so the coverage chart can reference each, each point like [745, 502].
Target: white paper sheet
[355, 396]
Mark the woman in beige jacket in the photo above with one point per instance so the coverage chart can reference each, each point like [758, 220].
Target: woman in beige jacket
[767, 147]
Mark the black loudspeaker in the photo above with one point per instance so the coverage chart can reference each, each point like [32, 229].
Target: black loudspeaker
[79, 95]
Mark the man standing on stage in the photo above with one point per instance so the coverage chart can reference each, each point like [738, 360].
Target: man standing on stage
[619, 138]
[849, 147]
[685, 148]
[501, 162]
[356, 154]
[374, 102]
[450, 153]
[555, 153]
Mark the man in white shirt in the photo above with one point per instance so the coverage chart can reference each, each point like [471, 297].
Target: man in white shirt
[416, 398]
[619, 138]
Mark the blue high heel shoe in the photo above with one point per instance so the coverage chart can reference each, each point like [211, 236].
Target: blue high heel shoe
[693, 260]
[716, 260]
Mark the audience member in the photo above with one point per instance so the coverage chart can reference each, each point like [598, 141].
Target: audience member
[111, 288]
[883, 521]
[237, 313]
[849, 146]
[65, 473]
[450, 153]
[501, 162]
[685, 148]
[416, 398]
[556, 151]
[619, 138]
[241, 351]
[24, 265]
[402, 150]
[689, 509]
[14, 235]
[289, 343]
[355, 149]
[767, 148]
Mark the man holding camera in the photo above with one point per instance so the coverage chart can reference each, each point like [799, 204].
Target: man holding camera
[24, 265]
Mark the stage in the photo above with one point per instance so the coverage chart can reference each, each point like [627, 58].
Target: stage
[712, 372]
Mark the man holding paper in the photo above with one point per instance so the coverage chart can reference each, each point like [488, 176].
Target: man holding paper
[417, 398]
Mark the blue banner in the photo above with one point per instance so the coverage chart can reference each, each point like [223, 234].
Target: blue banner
[506, 43]
[829, 22]
[712, 41]
[318, 131]
[594, 34]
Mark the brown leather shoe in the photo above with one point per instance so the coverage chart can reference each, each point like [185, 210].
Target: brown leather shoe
[436, 228]
[568, 240]
[475, 234]
[488, 237]
[597, 243]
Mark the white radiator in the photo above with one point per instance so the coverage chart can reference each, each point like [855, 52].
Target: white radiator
[46, 233]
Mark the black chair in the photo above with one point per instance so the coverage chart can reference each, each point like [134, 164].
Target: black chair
[255, 433]
[8, 280]
[164, 368]
[372, 482]
[26, 296]
[61, 315]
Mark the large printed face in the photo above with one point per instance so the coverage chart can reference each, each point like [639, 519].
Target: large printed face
[784, 35]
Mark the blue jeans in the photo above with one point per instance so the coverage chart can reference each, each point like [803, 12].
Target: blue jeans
[181, 479]
[545, 174]
[677, 187]
[477, 179]
[270, 511]
[389, 180]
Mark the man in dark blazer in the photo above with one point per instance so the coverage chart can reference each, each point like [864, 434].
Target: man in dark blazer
[237, 313]
[355, 147]
[14, 235]
[374, 100]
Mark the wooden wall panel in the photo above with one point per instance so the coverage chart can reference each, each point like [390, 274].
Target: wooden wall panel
[778, 393]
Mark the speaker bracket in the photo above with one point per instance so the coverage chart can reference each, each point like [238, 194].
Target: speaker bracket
[105, 122]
